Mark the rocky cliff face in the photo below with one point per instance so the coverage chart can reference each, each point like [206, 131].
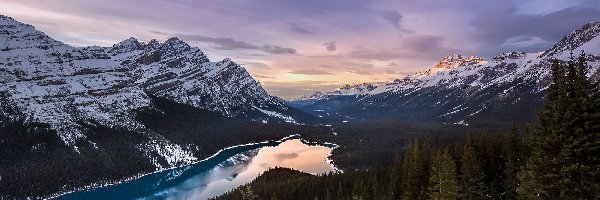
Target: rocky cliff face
[46, 81]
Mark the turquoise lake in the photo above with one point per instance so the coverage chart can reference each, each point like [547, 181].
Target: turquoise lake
[218, 174]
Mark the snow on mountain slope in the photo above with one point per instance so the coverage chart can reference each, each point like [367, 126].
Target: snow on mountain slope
[46, 81]
[315, 96]
[355, 89]
[460, 87]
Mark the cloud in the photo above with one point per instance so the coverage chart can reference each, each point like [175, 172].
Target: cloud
[261, 76]
[503, 26]
[330, 46]
[159, 32]
[294, 27]
[225, 43]
[257, 64]
[310, 72]
[277, 49]
[392, 16]
[376, 54]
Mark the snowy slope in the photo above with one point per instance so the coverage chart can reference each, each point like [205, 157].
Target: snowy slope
[46, 81]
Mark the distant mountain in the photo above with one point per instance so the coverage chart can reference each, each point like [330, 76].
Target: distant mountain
[462, 90]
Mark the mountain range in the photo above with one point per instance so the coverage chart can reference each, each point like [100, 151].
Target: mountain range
[47, 81]
[116, 112]
[461, 89]
[79, 117]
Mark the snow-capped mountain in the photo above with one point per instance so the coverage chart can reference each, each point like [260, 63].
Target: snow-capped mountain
[315, 96]
[46, 81]
[355, 89]
[509, 86]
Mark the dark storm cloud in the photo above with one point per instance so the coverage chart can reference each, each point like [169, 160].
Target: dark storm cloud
[502, 26]
[330, 46]
[226, 43]
[296, 28]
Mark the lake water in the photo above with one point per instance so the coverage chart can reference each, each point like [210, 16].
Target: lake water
[226, 170]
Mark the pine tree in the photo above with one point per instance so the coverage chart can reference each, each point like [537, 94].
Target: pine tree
[340, 191]
[512, 154]
[584, 141]
[328, 195]
[473, 186]
[395, 187]
[442, 179]
[540, 175]
[375, 191]
[248, 194]
[414, 181]
[565, 147]
[274, 196]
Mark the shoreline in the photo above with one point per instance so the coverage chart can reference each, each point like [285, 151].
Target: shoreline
[95, 186]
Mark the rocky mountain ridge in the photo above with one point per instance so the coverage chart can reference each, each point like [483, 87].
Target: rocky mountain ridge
[47, 81]
[461, 88]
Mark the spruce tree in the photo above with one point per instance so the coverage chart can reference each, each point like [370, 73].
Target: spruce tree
[442, 180]
[274, 196]
[565, 146]
[512, 154]
[395, 186]
[375, 191]
[472, 176]
[248, 194]
[414, 180]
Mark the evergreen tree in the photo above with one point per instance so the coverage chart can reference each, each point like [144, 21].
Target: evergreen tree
[340, 191]
[248, 194]
[328, 195]
[395, 186]
[414, 181]
[565, 147]
[472, 176]
[442, 179]
[274, 196]
[375, 191]
[512, 154]
[539, 178]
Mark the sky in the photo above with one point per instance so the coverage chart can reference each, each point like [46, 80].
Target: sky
[295, 48]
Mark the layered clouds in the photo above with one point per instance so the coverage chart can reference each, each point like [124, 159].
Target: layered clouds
[296, 47]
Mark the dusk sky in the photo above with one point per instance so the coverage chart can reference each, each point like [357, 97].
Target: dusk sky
[297, 47]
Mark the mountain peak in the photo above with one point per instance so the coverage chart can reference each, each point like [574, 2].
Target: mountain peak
[450, 61]
[19, 35]
[575, 39]
[455, 60]
[509, 55]
[6, 20]
[174, 40]
[127, 45]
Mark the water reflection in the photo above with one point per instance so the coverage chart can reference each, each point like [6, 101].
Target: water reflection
[244, 167]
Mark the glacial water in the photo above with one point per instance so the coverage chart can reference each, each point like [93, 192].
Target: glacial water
[218, 174]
